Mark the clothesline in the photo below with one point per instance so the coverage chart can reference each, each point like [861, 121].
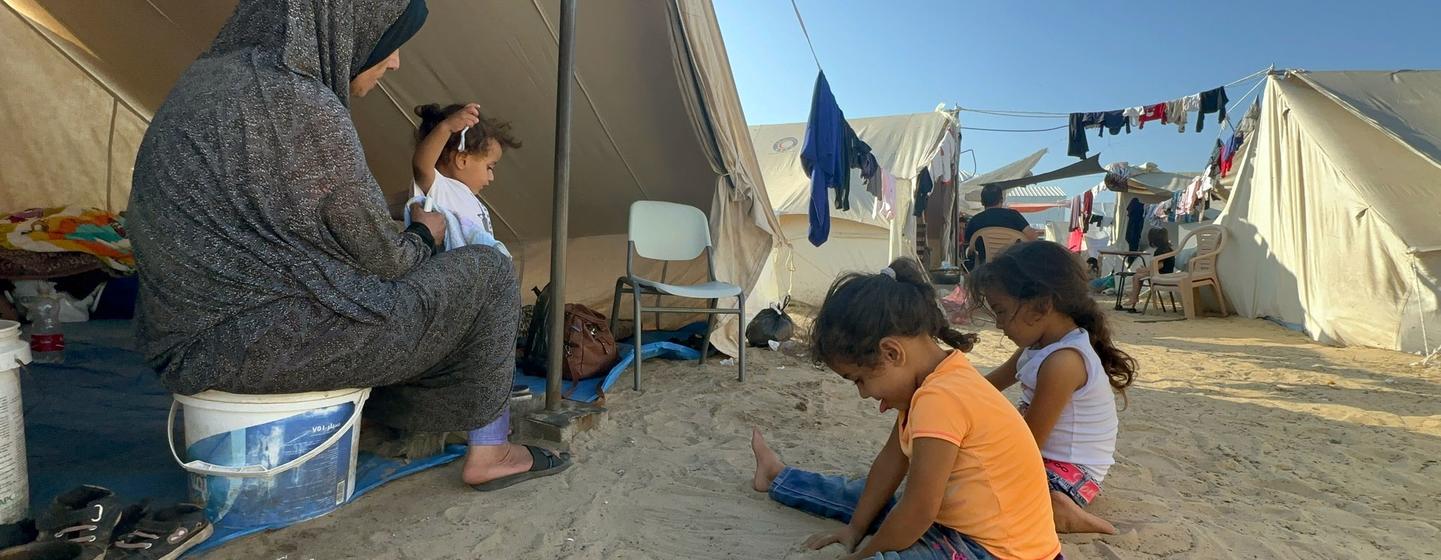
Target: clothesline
[1015, 129]
[1044, 114]
[807, 34]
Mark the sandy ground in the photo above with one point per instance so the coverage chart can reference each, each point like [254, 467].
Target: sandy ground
[1242, 440]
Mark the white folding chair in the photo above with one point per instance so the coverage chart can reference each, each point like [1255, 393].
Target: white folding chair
[665, 231]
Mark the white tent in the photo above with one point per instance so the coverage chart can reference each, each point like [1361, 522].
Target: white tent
[859, 241]
[656, 117]
[1335, 219]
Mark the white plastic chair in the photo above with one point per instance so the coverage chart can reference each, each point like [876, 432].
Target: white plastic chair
[665, 231]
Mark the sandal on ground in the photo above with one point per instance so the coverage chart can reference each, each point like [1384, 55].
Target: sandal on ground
[544, 462]
[1131, 309]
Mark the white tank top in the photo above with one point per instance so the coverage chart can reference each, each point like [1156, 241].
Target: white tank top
[1085, 435]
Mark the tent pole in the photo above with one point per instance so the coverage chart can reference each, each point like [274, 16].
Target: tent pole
[560, 206]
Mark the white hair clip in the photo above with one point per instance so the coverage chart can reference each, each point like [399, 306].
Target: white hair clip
[888, 271]
[462, 138]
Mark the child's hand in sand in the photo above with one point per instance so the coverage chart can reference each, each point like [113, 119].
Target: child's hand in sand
[845, 536]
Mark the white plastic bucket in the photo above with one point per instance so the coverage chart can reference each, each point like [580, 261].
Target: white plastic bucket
[260, 461]
[14, 477]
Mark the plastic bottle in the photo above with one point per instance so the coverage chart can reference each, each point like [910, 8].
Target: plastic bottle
[47, 340]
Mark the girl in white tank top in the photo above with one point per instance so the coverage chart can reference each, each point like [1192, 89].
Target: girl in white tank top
[1068, 368]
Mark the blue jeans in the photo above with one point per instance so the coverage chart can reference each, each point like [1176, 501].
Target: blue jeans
[836, 497]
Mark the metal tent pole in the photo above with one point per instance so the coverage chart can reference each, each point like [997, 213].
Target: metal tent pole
[560, 210]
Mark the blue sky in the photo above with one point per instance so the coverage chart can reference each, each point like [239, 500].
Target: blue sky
[906, 56]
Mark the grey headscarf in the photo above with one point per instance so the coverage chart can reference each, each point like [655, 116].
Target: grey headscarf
[251, 186]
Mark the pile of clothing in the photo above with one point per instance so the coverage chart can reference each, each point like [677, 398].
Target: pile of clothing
[1174, 112]
[70, 229]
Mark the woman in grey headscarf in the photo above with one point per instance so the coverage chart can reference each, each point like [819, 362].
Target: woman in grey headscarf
[268, 261]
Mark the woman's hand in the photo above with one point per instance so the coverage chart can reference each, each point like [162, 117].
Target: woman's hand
[845, 536]
[433, 221]
[460, 120]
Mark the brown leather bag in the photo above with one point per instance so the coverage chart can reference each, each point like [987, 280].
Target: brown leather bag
[590, 348]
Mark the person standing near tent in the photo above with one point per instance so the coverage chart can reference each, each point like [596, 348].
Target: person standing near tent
[268, 261]
[456, 152]
[995, 215]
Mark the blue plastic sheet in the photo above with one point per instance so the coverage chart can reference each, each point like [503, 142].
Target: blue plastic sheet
[99, 418]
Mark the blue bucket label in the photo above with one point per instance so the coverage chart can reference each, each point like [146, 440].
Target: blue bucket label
[304, 492]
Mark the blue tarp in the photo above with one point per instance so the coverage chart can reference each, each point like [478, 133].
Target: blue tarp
[99, 418]
[668, 344]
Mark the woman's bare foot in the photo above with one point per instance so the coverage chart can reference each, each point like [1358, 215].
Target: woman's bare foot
[768, 463]
[484, 463]
[1070, 518]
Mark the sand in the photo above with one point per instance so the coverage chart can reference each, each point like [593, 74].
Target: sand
[1241, 440]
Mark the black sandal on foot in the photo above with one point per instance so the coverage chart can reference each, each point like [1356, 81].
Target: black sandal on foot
[544, 462]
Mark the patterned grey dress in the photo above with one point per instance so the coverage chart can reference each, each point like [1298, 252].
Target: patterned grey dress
[268, 261]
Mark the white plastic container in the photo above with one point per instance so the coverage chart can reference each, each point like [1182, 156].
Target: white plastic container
[260, 461]
[14, 477]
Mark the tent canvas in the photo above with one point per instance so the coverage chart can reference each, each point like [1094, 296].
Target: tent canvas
[650, 122]
[859, 240]
[1333, 216]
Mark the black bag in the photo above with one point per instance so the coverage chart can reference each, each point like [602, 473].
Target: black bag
[534, 347]
[771, 324]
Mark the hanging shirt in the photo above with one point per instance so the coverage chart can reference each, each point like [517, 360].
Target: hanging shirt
[823, 156]
[1133, 115]
[1086, 200]
[1213, 101]
[885, 206]
[1155, 112]
[1114, 121]
[1135, 218]
[1076, 137]
[923, 192]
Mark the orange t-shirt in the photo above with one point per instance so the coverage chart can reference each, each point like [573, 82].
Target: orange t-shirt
[997, 493]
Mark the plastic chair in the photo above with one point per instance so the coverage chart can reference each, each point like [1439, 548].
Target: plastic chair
[665, 231]
[996, 239]
[1201, 271]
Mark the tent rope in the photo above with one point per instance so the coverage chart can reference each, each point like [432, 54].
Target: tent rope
[807, 34]
[1015, 129]
[1043, 114]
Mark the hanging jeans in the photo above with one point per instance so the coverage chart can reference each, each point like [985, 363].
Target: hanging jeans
[836, 497]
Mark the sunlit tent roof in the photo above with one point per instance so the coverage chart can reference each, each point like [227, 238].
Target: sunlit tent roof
[656, 116]
[1334, 216]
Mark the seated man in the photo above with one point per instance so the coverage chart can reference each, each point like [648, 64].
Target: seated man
[995, 215]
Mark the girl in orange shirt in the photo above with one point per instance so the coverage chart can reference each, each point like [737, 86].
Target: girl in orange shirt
[975, 487]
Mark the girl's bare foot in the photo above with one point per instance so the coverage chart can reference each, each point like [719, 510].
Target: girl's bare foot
[768, 463]
[1070, 518]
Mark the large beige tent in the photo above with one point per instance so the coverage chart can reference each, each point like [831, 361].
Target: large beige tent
[859, 240]
[656, 116]
[1335, 217]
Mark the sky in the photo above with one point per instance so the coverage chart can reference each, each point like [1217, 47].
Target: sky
[906, 56]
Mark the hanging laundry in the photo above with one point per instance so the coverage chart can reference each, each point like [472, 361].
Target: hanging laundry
[1228, 152]
[1177, 109]
[1114, 121]
[1079, 122]
[871, 174]
[1188, 196]
[1075, 240]
[1135, 218]
[850, 157]
[1213, 101]
[823, 156]
[1086, 200]
[886, 199]
[943, 166]
[1215, 158]
[1133, 115]
[923, 192]
[1077, 220]
[1155, 112]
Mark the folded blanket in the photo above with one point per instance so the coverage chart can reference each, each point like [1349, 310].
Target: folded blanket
[70, 229]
